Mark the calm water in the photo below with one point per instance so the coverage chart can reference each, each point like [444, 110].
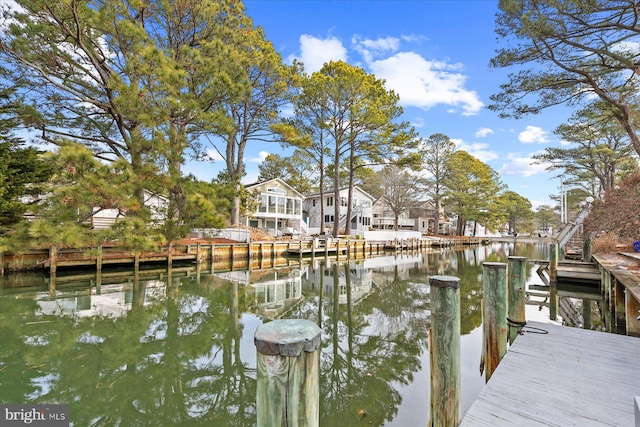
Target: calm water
[176, 347]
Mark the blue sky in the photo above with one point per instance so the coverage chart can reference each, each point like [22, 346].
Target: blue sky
[435, 55]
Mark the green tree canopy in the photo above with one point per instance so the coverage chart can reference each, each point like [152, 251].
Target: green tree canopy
[435, 153]
[23, 171]
[471, 191]
[357, 115]
[599, 150]
[516, 210]
[569, 51]
[131, 81]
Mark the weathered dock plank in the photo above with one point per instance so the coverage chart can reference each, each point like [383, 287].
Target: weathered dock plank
[568, 377]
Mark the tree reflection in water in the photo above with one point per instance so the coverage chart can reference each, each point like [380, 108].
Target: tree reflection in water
[174, 350]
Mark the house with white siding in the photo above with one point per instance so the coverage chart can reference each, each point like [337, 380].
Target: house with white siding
[361, 211]
[276, 208]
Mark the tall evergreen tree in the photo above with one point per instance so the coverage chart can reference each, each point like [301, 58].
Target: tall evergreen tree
[471, 190]
[129, 80]
[568, 52]
[435, 153]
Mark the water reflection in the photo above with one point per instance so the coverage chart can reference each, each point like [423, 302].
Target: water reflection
[170, 348]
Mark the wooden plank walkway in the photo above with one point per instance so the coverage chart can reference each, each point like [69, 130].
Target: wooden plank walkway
[568, 377]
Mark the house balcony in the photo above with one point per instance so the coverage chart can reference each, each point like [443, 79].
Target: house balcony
[387, 223]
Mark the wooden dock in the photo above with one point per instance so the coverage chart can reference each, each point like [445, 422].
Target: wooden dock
[568, 377]
[570, 270]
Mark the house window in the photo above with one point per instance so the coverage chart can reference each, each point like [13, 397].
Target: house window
[272, 204]
[297, 208]
[282, 201]
[366, 220]
[343, 201]
[328, 218]
[263, 203]
[313, 202]
[330, 201]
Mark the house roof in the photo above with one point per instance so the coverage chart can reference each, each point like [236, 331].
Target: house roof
[280, 181]
[330, 192]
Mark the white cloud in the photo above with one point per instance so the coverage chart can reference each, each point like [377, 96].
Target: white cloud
[523, 166]
[533, 134]
[477, 150]
[425, 84]
[315, 52]
[483, 132]
[370, 49]
[261, 156]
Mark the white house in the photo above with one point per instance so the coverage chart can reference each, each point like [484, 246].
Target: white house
[361, 212]
[278, 208]
[384, 218]
[156, 203]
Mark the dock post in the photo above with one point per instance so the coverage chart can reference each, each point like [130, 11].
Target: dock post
[288, 374]
[517, 293]
[169, 256]
[99, 269]
[619, 305]
[553, 263]
[444, 352]
[494, 316]
[53, 260]
[586, 248]
[632, 309]
[1, 264]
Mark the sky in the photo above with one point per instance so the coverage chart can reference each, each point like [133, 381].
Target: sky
[435, 55]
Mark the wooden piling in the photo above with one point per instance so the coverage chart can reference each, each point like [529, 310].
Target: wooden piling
[586, 248]
[99, 256]
[53, 260]
[288, 387]
[553, 262]
[494, 318]
[517, 293]
[444, 352]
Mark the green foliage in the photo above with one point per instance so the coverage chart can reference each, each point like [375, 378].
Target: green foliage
[296, 170]
[566, 52]
[435, 153]
[517, 211]
[81, 187]
[599, 152]
[22, 173]
[349, 115]
[471, 191]
[545, 217]
[207, 204]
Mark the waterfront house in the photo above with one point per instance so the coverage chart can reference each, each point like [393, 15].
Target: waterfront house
[275, 207]
[361, 212]
[384, 218]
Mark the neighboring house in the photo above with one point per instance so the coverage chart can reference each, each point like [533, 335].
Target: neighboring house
[105, 218]
[384, 218]
[361, 212]
[156, 203]
[419, 217]
[278, 208]
[424, 213]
